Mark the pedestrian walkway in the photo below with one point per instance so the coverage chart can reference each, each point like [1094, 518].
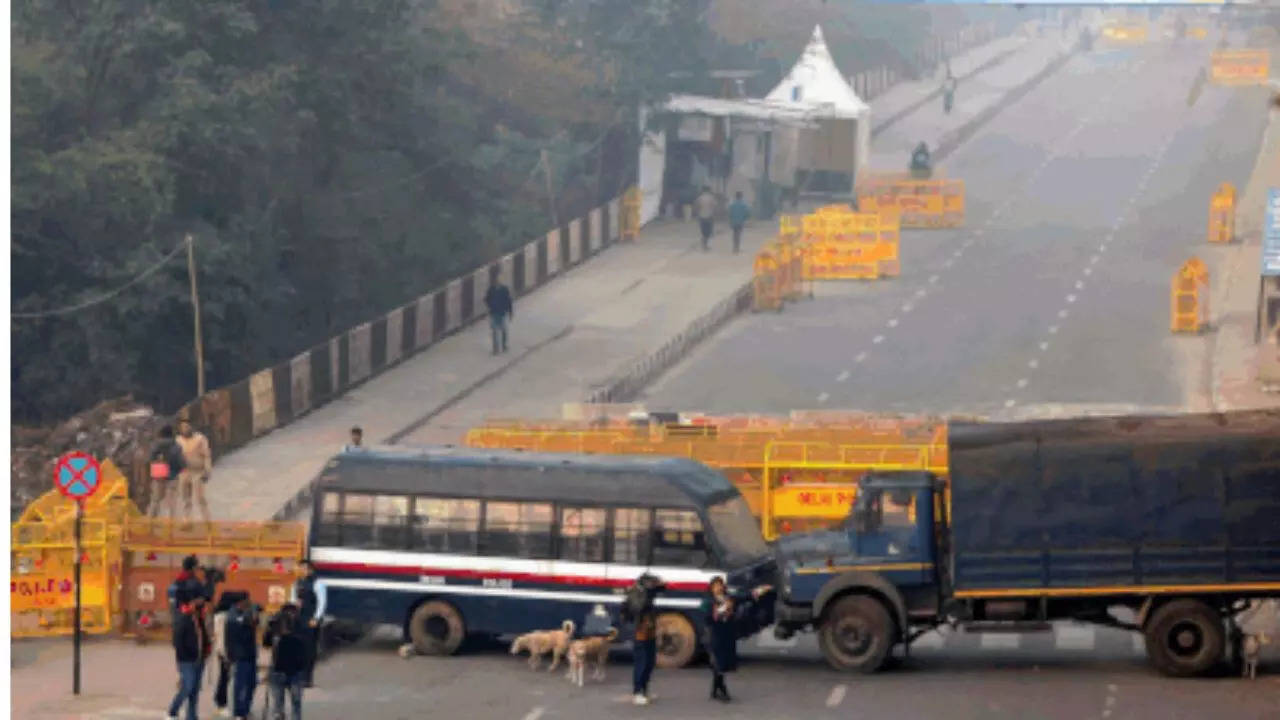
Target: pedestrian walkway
[568, 339]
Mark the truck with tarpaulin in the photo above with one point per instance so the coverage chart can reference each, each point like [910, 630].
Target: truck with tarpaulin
[1176, 518]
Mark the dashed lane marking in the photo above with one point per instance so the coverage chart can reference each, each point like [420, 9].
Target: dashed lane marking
[877, 339]
[1063, 313]
[837, 695]
[844, 375]
[933, 279]
[1033, 364]
[908, 307]
[535, 713]
[1079, 284]
[1053, 329]
[893, 323]
[1010, 403]
[1088, 271]
[1094, 260]
[823, 398]
[861, 356]
[1071, 298]
[1022, 383]
[921, 293]
[1044, 345]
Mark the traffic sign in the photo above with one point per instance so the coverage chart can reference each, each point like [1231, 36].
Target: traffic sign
[77, 475]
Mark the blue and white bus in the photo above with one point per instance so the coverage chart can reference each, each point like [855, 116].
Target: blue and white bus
[454, 542]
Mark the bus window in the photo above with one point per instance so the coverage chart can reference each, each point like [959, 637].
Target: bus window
[391, 522]
[678, 539]
[517, 529]
[631, 535]
[356, 519]
[330, 519]
[582, 534]
[445, 525]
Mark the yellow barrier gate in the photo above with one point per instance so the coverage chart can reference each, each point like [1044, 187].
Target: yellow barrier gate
[935, 203]
[1125, 33]
[1240, 67]
[844, 245]
[766, 283]
[629, 223]
[41, 587]
[795, 474]
[1189, 298]
[1222, 214]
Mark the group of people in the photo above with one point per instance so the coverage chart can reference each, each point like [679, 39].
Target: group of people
[180, 464]
[228, 632]
[724, 615]
[704, 208]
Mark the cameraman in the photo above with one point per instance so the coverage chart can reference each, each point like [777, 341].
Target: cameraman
[638, 608]
[242, 653]
[290, 658]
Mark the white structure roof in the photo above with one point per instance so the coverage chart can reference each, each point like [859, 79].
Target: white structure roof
[752, 108]
[815, 81]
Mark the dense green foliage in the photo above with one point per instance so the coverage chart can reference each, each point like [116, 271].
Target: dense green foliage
[331, 158]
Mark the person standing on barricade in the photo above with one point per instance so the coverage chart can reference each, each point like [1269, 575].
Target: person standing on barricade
[166, 463]
[198, 461]
[191, 646]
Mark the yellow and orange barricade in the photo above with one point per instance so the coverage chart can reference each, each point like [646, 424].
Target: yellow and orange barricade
[937, 203]
[766, 282]
[1125, 33]
[1240, 67]
[629, 210]
[845, 245]
[1222, 214]
[1189, 298]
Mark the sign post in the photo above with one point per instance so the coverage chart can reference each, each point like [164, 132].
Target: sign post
[77, 476]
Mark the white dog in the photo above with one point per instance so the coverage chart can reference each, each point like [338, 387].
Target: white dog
[586, 648]
[1252, 649]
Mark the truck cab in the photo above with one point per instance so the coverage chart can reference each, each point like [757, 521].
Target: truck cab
[860, 585]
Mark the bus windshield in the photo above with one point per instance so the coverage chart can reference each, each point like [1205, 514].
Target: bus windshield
[737, 531]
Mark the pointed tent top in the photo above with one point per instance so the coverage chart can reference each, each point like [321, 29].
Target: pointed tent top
[816, 81]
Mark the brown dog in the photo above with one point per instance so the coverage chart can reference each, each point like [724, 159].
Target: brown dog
[541, 642]
[586, 648]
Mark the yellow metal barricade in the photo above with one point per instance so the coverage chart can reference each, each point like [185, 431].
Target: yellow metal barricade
[933, 203]
[1222, 214]
[1189, 298]
[1240, 67]
[1125, 33]
[629, 223]
[789, 227]
[41, 587]
[766, 292]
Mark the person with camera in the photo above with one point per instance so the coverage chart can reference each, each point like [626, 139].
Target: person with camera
[638, 608]
[290, 658]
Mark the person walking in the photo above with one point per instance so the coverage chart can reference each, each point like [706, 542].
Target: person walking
[723, 612]
[166, 464]
[191, 646]
[739, 213]
[198, 461]
[704, 206]
[501, 311]
[288, 660]
[638, 608]
[242, 652]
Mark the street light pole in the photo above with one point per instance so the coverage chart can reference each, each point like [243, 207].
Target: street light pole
[195, 308]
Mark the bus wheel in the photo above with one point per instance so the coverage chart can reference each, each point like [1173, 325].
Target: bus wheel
[436, 628]
[1185, 638]
[855, 635]
[677, 643]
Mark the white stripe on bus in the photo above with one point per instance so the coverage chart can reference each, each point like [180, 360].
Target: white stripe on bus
[481, 564]
[361, 584]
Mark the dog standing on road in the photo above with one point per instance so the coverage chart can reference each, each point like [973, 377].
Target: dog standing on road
[1252, 648]
[541, 642]
[587, 648]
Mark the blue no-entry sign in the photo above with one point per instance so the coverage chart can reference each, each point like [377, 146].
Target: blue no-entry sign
[77, 475]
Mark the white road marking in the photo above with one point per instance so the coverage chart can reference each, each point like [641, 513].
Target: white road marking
[957, 253]
[877, 339]
[1053, 329]
[921, 293]
[933, 279]
[1022, 383]
[1102, 248]
[1044, 346]
[861, 356]
[1010, 403]
[534, 714]
[908, 307]
[1088, 271]
[893, 322]
[1033, 364]
[1079, 284]
[1071, 298]
[837, 695]
[1094, 260]
[1074, 637]
[844, 375]
[950, 261]
[823, 398]
[1003, 641]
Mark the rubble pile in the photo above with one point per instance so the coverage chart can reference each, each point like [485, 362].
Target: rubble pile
[118, 430]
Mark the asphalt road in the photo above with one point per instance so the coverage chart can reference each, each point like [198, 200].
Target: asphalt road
[1083, 199]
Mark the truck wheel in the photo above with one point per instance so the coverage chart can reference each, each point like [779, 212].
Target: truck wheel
[677, 643]
[1185, 638]
[436, 628]
[856, 634]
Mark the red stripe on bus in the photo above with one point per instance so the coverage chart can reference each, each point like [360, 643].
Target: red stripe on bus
[465, 574]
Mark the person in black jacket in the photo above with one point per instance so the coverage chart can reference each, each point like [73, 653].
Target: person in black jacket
[501, 310]
[242, 652]
[723, 613]
[191, 645]
[167, 462]
[304, 592]
[290, 653]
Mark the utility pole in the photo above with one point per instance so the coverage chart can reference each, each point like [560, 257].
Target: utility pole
[195, 308]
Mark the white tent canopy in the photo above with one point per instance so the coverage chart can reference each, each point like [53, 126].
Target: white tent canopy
[842, 141]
